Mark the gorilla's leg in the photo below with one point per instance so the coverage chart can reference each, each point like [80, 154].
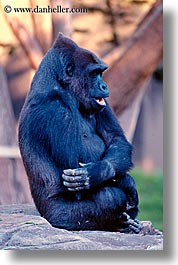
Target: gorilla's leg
[97, 210]
[127, 218]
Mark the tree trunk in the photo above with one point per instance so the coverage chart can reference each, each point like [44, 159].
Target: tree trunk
[143, 53]
[62, 22]
[42, 25]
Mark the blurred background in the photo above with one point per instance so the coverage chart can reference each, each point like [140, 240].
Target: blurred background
[127, 35]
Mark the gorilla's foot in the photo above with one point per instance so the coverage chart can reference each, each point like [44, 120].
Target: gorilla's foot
[129, 225]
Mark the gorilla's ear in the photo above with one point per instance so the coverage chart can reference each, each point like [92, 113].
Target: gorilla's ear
[62, 42]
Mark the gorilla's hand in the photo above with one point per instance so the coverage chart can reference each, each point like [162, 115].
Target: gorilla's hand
[77, 179]
[88, 176]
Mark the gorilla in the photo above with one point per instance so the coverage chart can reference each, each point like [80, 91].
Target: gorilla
[74, 151]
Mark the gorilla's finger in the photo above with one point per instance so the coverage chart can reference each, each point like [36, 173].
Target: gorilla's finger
[69, 172]
[134, 229]
[73, 184]
[80, 171]
[78, 188]
[74, 179]
[74, 172]
[84, 165]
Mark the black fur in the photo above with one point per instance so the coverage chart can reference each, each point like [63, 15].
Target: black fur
[61, 126]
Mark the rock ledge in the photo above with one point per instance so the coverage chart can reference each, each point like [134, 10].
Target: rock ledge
[21, 227]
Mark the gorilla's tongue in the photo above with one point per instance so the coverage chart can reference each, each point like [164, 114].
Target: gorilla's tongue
[101, 101]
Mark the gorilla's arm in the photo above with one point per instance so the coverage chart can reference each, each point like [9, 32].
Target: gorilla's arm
[119, 150]
[115, 161]
[45, 154]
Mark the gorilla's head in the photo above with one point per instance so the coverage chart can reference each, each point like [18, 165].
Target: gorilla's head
[80, 71]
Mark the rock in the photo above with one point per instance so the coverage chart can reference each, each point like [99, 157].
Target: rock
[21, 227]
[28, 209]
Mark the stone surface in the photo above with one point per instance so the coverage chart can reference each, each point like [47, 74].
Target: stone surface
[21, 227]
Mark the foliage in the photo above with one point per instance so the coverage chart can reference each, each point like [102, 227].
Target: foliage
[150, 189]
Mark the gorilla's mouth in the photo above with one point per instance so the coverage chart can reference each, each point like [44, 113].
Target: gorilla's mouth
[100, 101]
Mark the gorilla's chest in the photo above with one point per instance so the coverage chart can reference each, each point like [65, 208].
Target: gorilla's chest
[92, 145]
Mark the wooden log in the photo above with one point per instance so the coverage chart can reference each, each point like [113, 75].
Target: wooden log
[14, 185]
[9, 151]
[142, 54]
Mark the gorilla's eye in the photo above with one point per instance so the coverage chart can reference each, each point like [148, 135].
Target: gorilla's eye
[96, 72]
[70, 69]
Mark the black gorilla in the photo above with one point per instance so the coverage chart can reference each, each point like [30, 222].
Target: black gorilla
[74, 151]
